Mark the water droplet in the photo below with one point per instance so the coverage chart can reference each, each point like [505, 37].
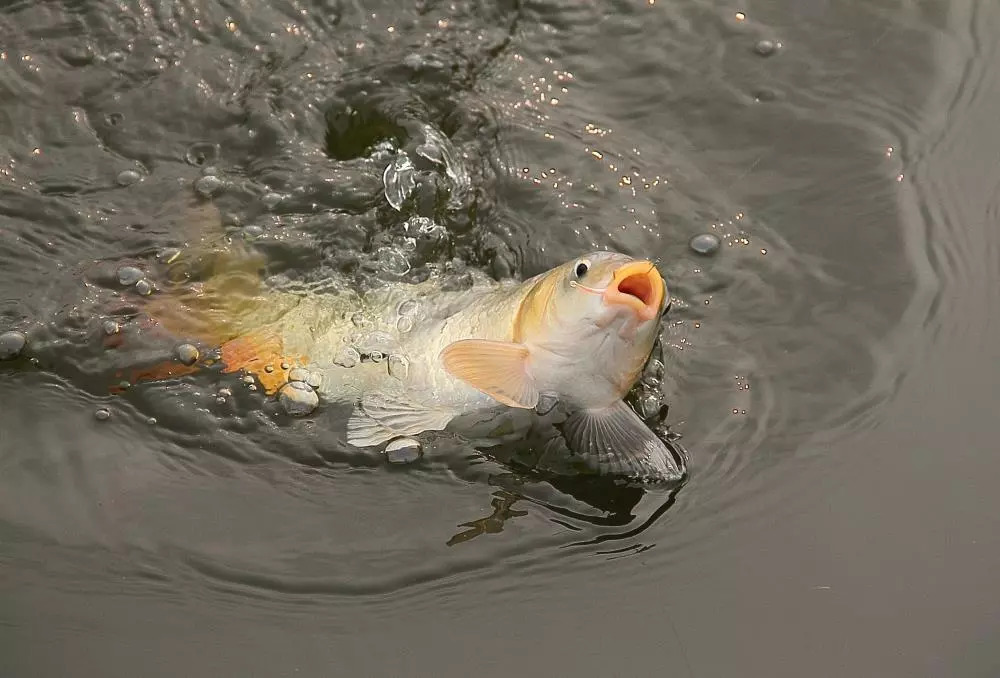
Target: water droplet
[298, 374]
[298, 398]
[393, 261]
[187, 354]
[111, 327]
[271, 200]
[404, 323]
[253, 231]
[151, 421]
[398, 180]
[403, 451]
[225, 392]
[251, 387]
[128, 177]
[102, 414]
[221, 400]
[144, 287]
[705, 243]
[284, 365]
[438, 149]
[11, 345]
[766, 47]
[248, 379]
[208, 186]
[269, 368]
[376, 356]
[129, 275]
[764, 94]
[399, 366]
[202, 153]
[347, 357]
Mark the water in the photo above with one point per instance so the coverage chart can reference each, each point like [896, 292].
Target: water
[832, 369]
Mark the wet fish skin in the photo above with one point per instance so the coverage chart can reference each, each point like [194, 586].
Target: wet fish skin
[562, 335]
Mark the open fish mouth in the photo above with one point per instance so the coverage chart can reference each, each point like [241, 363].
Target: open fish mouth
[638, 286]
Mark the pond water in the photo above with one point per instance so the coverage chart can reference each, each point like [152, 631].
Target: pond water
[831, 371]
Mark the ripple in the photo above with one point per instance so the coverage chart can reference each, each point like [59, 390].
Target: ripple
[505, 138]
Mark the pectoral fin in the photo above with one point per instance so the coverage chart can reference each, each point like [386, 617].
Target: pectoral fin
[497, 368]
[615, 440]
[379, 418]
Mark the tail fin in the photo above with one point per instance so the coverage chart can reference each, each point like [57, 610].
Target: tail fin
[213, 297]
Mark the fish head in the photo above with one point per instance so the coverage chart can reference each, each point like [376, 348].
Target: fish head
[595, 319]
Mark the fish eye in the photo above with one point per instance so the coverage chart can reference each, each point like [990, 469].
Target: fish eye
[582, 267]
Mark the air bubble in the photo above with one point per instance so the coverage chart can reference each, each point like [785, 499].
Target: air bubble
[187, 354]
[766, 47]
[408, 307]
[128, 177]
[705, 244]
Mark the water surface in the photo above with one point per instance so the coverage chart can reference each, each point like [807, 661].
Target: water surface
[831, 371]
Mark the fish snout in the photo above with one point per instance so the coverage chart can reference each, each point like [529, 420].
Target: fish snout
[638, 286]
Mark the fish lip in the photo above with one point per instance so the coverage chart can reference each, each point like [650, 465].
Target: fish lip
[638, 286]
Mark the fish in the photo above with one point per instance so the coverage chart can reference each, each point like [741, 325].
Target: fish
[481, 361]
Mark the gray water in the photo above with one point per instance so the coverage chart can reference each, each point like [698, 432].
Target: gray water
[831, 371]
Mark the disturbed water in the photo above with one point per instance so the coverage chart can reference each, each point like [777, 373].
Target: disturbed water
[831, 369]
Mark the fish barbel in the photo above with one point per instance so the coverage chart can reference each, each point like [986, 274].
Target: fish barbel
[417, 357]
